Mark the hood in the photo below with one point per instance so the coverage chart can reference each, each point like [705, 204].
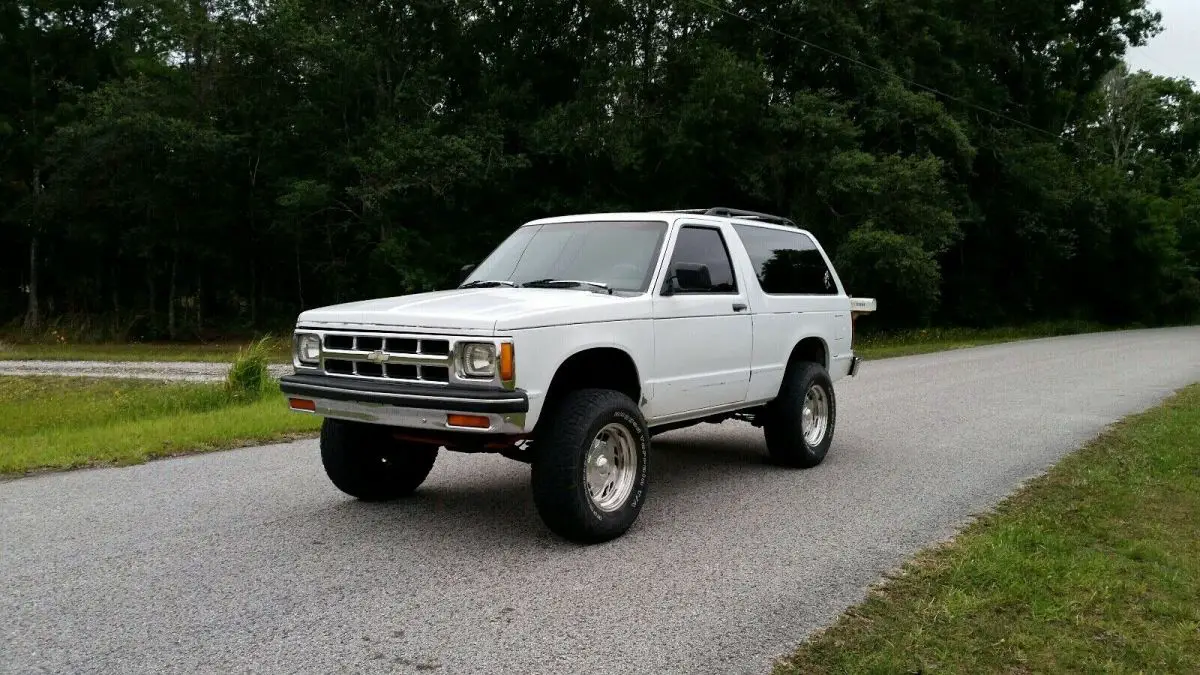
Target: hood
[478, 310]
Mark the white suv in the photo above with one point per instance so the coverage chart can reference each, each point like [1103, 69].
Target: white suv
[573, 343]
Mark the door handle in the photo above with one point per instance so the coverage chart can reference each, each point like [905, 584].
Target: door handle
[739, 307]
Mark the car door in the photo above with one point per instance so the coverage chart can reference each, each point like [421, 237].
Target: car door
[702, 335]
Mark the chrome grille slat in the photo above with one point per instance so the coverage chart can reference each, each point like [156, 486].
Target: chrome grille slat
[407, 357]
[393, 357]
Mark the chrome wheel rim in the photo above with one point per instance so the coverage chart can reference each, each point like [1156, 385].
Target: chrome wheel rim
[611, 466]
[814, 416]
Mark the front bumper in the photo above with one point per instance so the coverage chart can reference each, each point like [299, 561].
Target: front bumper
[413, 406]
[854, 363]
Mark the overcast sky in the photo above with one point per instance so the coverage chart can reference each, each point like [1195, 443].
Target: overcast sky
[1175, 52]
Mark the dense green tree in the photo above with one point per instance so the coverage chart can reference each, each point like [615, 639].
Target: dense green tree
[178, 168]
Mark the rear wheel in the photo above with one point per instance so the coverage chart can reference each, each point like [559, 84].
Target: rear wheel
[365, 461]
[800, 422]
[590, 466]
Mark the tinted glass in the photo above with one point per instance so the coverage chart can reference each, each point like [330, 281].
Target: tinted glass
[620, 254]
[787, 263]
[704, 245]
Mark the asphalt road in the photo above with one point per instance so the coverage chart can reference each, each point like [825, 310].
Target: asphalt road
[249, 561]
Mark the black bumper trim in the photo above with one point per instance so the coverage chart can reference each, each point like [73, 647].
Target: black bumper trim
[451, 398]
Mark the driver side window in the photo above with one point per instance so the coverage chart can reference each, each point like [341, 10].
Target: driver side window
[697, 245]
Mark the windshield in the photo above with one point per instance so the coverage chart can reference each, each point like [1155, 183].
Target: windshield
[620, 254]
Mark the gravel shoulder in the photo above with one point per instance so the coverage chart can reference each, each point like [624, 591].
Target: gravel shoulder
[249, 560]
[151, 370]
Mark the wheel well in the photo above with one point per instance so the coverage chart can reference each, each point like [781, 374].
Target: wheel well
[810, 349]
[601, 367]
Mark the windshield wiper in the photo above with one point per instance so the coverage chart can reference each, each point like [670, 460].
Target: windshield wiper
[488, 283]
[566, 283]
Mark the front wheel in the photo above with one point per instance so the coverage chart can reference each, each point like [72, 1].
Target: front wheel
[591, 465]
[800, 422]
[365, 461]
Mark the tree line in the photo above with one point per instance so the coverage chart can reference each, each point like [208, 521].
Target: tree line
[184, 168]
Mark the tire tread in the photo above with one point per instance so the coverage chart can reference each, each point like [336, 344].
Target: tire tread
[346, 452]
[782, 430]
[556, 477]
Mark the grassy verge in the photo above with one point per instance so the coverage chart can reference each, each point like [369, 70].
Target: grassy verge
[278, 352]
[1094, 567]
[61, 423]
[886, 345]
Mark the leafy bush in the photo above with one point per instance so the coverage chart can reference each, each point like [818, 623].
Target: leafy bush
[894, 269]
[249, 377]
[1184, 306]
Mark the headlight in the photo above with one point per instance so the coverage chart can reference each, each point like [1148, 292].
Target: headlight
[308, 348]
[478, 359]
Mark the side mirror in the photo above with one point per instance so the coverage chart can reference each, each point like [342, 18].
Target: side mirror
[465, 272]
[686, 277]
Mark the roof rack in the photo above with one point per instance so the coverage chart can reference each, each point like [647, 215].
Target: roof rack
[725, 212]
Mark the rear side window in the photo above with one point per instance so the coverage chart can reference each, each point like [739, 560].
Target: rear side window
[706, 245]
[787, 263]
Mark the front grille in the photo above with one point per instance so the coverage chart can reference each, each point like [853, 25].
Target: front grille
[435, 373]
[408, 358]
[404, 371]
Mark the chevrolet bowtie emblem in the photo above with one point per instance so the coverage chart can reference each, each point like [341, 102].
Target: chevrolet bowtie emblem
[378, 356]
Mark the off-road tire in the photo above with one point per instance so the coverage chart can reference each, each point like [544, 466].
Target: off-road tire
[783, 428]
[366, 462]
[559, 472]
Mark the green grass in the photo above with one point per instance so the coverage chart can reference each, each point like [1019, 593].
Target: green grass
[62, 423]
[278, 352]
[904, 343]
[1094, 567]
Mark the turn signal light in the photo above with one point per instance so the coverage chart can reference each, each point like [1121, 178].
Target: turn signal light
[302, 404]
[469, 421]
[508, 369]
